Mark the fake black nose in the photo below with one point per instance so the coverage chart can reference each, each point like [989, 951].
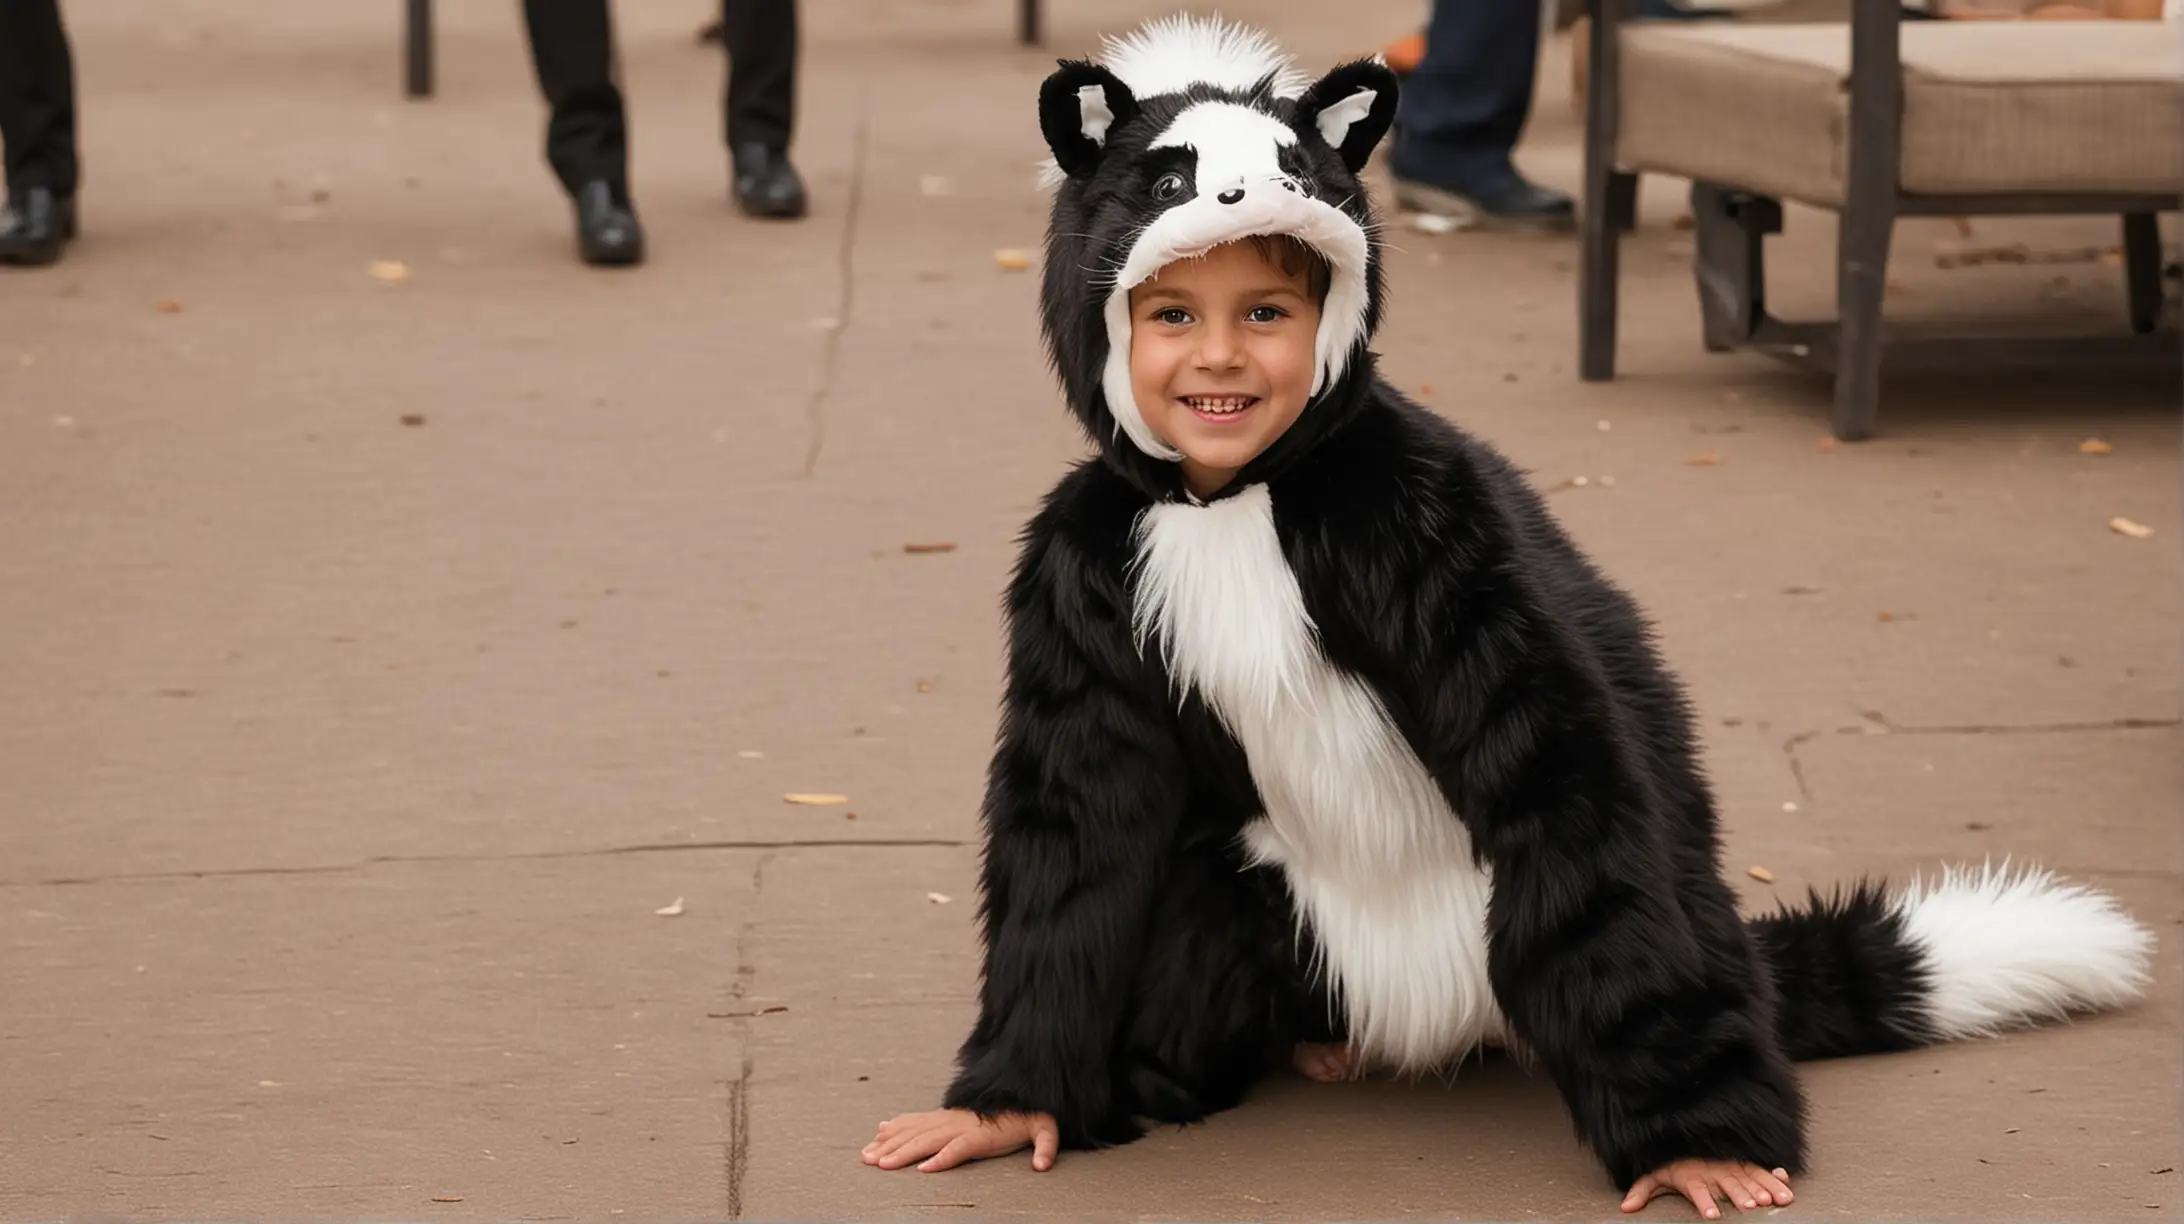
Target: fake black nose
[1231, 196]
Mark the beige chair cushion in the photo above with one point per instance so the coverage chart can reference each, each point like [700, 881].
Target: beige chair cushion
[1989, 107]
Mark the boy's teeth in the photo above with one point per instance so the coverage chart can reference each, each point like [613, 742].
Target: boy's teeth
[1219, 403]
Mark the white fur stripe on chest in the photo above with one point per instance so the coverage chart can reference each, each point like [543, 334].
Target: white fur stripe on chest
[1379, 866]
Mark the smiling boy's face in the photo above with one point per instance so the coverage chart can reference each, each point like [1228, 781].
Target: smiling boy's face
[1222, 354]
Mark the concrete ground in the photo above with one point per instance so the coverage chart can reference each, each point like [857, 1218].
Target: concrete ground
[377, 659]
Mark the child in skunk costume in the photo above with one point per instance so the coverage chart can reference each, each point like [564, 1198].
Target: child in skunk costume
[1323, 743]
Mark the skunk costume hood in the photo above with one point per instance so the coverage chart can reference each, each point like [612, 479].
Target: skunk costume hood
[1185, 135]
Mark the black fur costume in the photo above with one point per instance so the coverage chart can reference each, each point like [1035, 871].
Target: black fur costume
[1364, 749]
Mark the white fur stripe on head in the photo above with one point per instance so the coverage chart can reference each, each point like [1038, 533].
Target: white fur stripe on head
[1175, 53]
[2005, 948]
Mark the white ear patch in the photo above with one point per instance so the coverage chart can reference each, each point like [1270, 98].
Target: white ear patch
[1094, 115]
[1335, 121]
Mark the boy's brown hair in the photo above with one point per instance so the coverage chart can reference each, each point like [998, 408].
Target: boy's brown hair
[1297, 259]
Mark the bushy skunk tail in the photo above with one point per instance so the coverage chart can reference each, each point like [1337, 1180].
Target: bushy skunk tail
[1969, 955]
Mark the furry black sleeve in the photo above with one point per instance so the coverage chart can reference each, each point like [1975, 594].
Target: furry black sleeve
[1530, 690]
[1649, 1008]
[1653, 1024]
[1084, 794]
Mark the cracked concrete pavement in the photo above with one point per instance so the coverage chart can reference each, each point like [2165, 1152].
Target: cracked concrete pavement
[347, 760]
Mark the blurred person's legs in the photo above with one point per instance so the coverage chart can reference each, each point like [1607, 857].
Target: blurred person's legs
[760, 36]
[587, 133]
[1462, 110]
[38, 132]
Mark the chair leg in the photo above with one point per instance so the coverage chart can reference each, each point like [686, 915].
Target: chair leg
[2142, 269]
[1611, 197]
[417, 40]
[1729, 230]
[1609, 200]
[1866, 225]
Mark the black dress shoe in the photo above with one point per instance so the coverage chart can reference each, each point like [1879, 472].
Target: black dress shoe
[766, 184]
[36, 226]
[1502, 202]
[607, 233]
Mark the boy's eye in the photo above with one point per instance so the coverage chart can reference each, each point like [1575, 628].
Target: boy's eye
[1267, 314]
[1167, 187]
[1173, 316]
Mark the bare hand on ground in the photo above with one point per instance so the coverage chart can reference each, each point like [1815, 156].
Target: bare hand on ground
[1747, 1185]
[945, 1138]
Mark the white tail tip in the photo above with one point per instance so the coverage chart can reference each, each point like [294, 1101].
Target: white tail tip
[2004, 949]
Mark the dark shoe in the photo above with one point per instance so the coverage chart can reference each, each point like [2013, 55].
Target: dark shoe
[766, 184]
[36, 226]
[607, 233]
[1510, 202]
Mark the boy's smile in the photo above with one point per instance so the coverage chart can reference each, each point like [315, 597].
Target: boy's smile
[1221, 357]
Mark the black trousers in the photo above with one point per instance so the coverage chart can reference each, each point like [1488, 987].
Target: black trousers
[572, 44]
[37, 98]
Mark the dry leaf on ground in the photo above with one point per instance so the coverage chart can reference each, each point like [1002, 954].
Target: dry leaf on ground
[413, 419]
[167, 306]
[1704, 459]
[447, 1198]
[2094, 446]
[673, 909]
[1012, 259]
[389, 271]
[816, 799]
[930, 546]
[2124, 526]
[939, 898]
[1761, 874]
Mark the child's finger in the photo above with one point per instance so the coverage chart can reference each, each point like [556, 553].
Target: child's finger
[1776, 1183]
[953, 1153]
[882, 1148]
[915, 1147]
[1641, 1193]
[1737, 1189]
[1702, 1197]
[1045, 1141]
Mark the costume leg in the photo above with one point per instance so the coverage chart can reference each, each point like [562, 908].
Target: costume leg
[37, 98]
[572, 46]
[761, 104]
[1215, 1006]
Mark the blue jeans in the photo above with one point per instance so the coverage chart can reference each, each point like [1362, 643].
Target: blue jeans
[1464, 107]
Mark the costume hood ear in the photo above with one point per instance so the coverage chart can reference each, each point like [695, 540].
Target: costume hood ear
[1078, 106]
[1350, 108]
